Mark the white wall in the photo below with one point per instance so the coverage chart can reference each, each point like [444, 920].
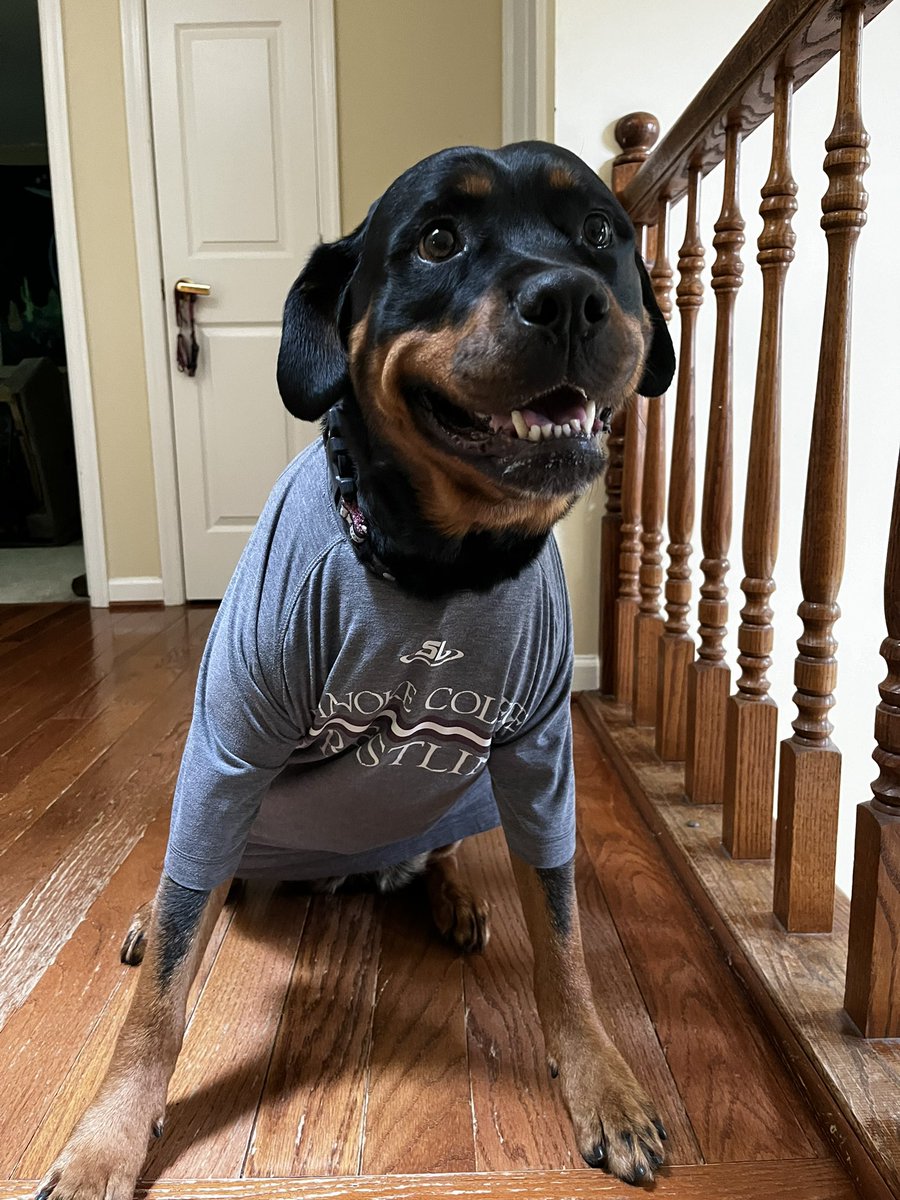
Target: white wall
[604, 68]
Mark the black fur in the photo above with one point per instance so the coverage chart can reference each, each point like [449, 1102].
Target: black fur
[559, 888]
[178, 911]
[422, 560]
[521, 231]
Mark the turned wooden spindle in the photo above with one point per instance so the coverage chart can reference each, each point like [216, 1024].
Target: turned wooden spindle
[648, 625]
[636, 134]
[676, 647]
[628, 600]
[610, 550]
[752, 719]
[872, 995]
[709, 676]
[809, 778]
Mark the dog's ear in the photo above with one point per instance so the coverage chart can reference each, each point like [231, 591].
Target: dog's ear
[659, 367]
[312, 359]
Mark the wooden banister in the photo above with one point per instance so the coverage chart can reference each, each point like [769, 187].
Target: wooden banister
[709, 677]
[872, 996]
[752, 720]
[676, 647]
[648, 625]
[636, 134]
[810, 765]
[804, 33]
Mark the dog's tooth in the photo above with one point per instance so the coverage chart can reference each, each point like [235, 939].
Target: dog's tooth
[575, 424]
[557, 430]
[546, 431]
[534, 433]
[567, 429]
[590, 416]
[519, 423]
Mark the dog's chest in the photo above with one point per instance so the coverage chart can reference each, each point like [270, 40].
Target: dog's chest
[399, 683]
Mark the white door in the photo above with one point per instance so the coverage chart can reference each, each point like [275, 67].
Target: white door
[231, 86]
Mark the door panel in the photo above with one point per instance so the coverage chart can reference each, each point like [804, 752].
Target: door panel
[234, 132]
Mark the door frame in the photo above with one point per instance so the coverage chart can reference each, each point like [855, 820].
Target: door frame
[527, 69]
[72, 299]
[148, 246]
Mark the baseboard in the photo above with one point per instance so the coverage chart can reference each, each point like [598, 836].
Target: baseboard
[136, 589]
[586, 677]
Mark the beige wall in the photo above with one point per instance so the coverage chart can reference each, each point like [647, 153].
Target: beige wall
[102, 184]
[413, 76]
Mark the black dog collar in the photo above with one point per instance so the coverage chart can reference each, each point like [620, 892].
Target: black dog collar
[345, 495]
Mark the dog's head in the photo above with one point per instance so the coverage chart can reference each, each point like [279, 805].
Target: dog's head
[485, 313]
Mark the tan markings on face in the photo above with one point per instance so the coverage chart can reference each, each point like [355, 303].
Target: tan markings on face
[474, 185]
[562, 177]
[454, 496]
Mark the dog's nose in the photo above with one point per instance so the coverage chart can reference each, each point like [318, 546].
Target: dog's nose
[566, 303]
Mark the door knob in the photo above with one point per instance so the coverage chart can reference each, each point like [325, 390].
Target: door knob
[187, 287]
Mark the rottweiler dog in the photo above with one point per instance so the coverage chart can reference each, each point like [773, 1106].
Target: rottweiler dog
[389, 671]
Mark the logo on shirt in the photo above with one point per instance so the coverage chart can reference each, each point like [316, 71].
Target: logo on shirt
[433, 653]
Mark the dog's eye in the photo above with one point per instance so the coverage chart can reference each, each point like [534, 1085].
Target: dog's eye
[598, 230]
[439, 242]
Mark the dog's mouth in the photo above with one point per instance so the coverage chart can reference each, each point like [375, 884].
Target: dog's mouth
[562, 414]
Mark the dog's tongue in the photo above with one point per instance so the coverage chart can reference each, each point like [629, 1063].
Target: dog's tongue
[559, 407]
[555, 408]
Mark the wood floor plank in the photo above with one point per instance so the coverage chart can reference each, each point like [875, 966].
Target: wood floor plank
[215, 1091]
[18, 621]
[624, 1013]
[81, 1082]
[741, 1104]
[34, 853]
[42, 1039]
[520, 1119]
[51, 875]
[311, 1113]
[115, 705]
[74, 627]
[418, 1112]
[817, 1179]
[70, 680]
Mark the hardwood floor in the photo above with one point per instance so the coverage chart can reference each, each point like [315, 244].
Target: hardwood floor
[336, 1036]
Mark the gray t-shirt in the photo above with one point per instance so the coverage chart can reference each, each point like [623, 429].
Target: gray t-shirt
[342, 725]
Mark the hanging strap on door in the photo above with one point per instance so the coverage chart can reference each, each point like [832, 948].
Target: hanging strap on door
[187, 350]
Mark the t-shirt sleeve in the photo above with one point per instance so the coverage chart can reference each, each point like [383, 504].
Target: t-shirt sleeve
[241, 736]
[532, 772]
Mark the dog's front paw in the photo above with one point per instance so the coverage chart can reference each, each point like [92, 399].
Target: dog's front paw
[616, 1126]
[99, 1163]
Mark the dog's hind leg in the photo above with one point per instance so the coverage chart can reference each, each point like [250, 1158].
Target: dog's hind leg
[460, 917]
[104, 1154]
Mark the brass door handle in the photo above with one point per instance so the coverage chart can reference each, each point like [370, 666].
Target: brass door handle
[187, 287]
